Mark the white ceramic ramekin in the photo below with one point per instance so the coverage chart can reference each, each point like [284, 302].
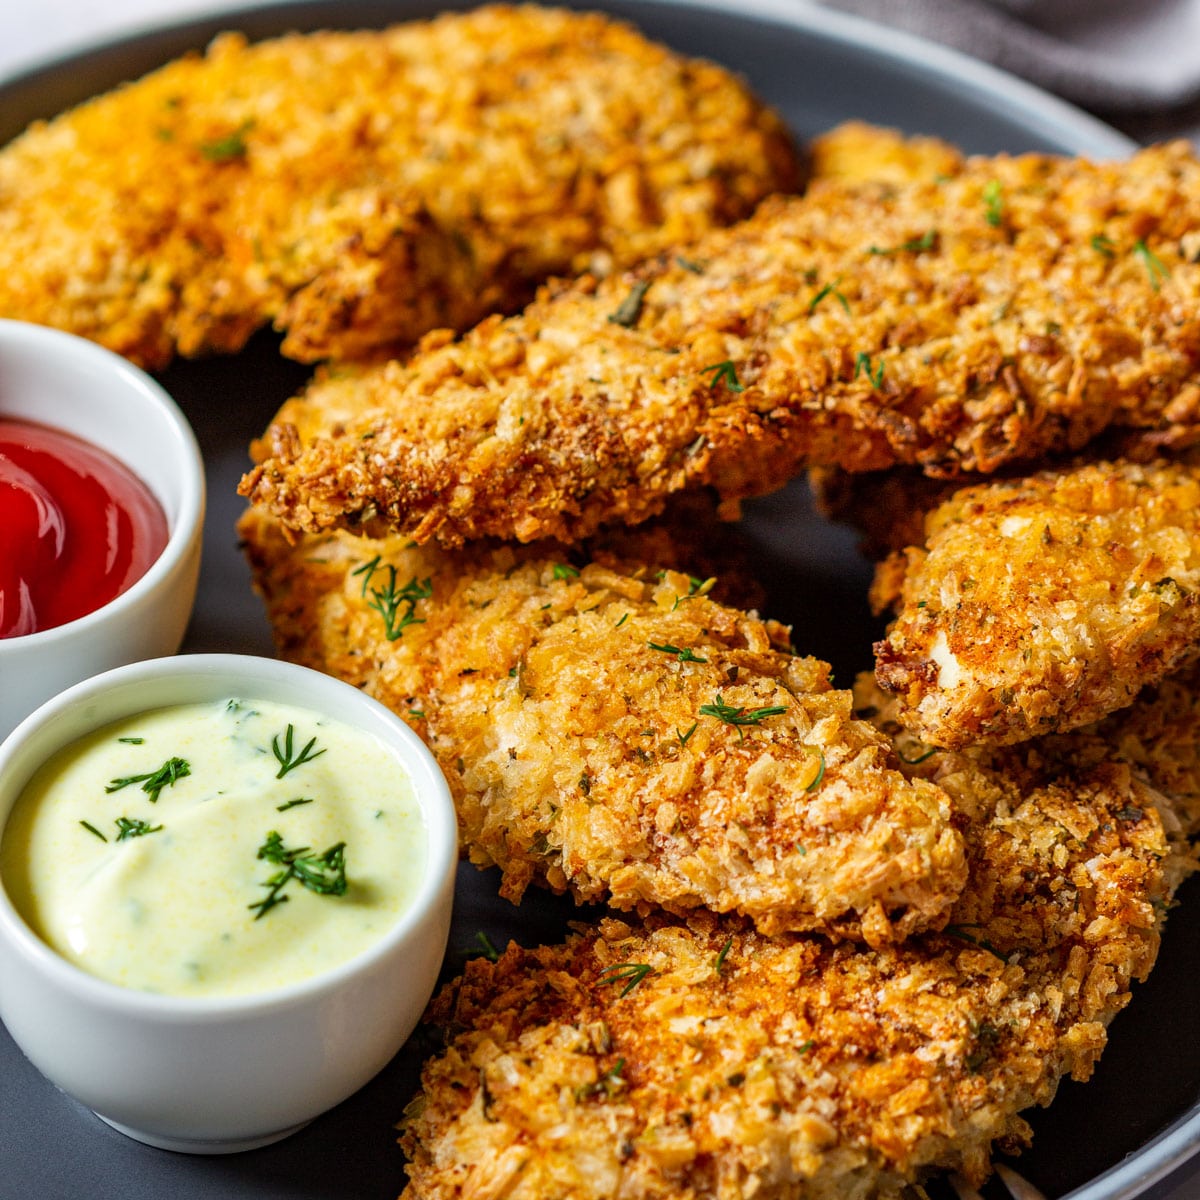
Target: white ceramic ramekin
[219, 1075]
[71, 384]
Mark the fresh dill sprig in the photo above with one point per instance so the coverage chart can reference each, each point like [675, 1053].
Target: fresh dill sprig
[287, 758]
[739, 716]
[830, 289]
[397, 605]
[324, 874]
[92, 829]
[631, 974]
[683, 653]
[862, 362]
[366, 571]
[724, 372]
[128, 827]
[1155, 267]
[153, 782]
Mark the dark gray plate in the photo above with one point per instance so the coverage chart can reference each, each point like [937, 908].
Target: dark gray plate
[819, 69]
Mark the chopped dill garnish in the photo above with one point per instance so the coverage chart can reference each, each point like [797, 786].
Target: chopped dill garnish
[724, 372]
[229, 147]
[862, 362]
[805, 1047]
[132, 827]
[621, 621]
[92, 829]
[629, 973]
[132, 741]
[684, 738]
[630, 308]
[920, 758]
[684, 653]
[960, 933]
[1155, 267]
[739, 716]
[397, 605]
[830, 289]
[418, 714]
[293, 803]
[487, 947]
[687, 264]
[722, 954]
[152, 783]
[1104, 245]
[993, 199]
[287, 758]
[324, 874]
[816, 779]
[366, 571]
[565, 571]
[606, 1086]
[912, 246]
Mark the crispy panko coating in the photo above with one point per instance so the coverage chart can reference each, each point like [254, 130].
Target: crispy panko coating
[855, 152]
[619, 737]
[1043, 603]
[1013, 310]
[359, 189]
[700, 1059]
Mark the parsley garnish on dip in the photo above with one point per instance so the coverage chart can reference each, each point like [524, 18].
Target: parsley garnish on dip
[182, 912]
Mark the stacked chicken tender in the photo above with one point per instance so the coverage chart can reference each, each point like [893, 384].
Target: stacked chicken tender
[850, 936]
[748, 1022]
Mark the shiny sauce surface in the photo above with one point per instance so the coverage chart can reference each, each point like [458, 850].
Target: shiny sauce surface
[215, 849]
[77, 528]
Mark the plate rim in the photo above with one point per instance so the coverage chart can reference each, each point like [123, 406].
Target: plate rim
[1030, 105]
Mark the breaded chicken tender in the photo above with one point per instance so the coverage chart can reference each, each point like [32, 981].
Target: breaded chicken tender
[1014, 310]
[622, 736]
[855, 152]
[359, 189]
[701, 1059]
[1043, 603]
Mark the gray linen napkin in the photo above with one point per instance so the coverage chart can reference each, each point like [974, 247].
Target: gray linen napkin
[1109, 55]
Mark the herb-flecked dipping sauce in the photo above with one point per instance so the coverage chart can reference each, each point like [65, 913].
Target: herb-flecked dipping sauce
[215, 849]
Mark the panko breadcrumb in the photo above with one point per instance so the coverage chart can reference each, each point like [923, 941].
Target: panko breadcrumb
[619, 735]
[1015, 309]
[361, 188]
[1043, 603]
[701, 1059]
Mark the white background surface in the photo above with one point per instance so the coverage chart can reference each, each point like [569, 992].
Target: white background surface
[35, 31]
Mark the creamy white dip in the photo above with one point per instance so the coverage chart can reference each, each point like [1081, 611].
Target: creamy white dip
[223, 875]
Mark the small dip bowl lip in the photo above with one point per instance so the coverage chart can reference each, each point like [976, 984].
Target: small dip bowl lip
[240, 674]
[184, 526]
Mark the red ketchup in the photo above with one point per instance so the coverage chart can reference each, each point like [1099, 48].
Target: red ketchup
[77, 528]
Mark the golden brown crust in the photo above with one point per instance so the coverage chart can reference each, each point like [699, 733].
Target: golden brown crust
[472, 156]
[855, 152]
[624, 738]
[740, 1065]
[1011, 311]
[1044, 603]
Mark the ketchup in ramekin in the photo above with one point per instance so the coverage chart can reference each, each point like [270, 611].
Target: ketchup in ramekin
[77, 528]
